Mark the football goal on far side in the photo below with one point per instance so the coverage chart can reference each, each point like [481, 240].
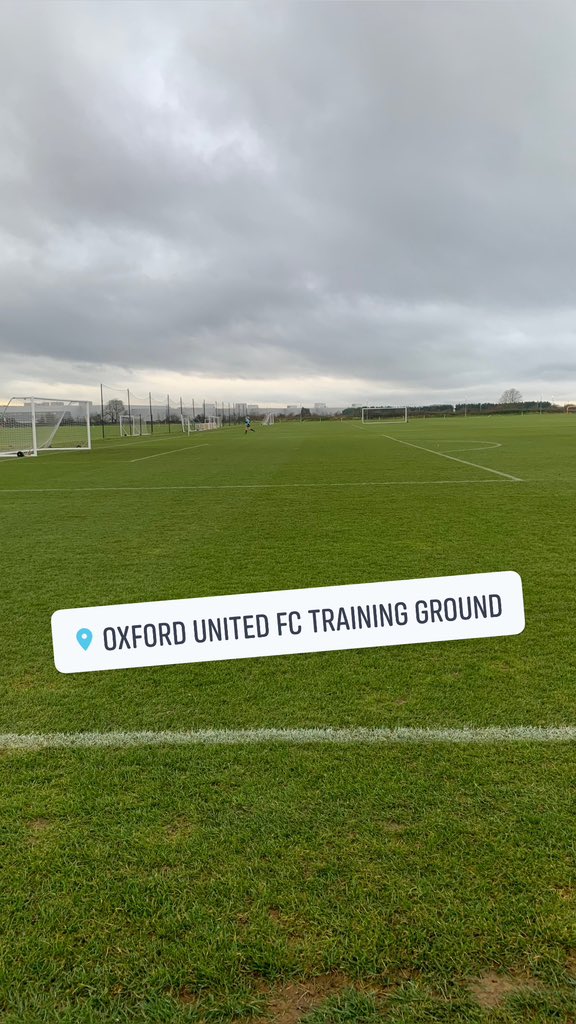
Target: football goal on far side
[29, 426]
[382, 414]
[191, 426]
[132, 426]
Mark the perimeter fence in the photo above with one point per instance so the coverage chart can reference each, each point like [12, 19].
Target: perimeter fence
[122, 412]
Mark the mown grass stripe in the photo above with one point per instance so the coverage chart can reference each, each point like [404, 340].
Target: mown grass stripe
[328, 735]
[248, 487]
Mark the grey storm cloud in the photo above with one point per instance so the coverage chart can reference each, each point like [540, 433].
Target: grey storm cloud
[384, 192]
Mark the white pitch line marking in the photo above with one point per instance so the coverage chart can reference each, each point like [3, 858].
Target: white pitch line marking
[327, 736]
[453, 458]
[186, 448]
[246, 487]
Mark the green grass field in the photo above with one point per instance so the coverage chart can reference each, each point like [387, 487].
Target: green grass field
[283, 882]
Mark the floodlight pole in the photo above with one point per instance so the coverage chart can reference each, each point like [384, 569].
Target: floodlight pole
[102, 409]
[129, 411]
[150, 407]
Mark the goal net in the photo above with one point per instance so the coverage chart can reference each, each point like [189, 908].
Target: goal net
[268, 420]
[29, 426]
[385, 414]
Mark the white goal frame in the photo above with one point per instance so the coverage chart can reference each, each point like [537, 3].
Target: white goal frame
[131, 426]
[30, 411]
[191, 426]
[210, 423]
[403, 409]
[268, 420]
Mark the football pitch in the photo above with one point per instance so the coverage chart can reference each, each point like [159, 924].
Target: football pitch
[384, 834]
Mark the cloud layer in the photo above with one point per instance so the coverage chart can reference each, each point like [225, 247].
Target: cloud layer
[378, 196]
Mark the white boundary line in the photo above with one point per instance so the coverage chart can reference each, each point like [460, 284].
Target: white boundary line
[326, 736]
[247, 487]
[171, 452]
[453, 458]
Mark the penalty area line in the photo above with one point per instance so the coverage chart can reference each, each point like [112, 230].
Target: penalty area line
[327, 736]
[443, 455]
[171, 452]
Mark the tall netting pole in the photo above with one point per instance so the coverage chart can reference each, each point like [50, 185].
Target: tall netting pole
[33, 421]
[151, 416]
[102, 408]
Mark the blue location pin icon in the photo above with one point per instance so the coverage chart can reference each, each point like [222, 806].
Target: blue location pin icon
[84, 638]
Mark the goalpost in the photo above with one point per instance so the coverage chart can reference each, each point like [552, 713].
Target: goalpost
[268, 420]
[379, 415]
[29, 426]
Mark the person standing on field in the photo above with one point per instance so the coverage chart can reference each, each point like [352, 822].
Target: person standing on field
[248, 425]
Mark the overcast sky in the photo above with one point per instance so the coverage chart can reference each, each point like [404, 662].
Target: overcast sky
[303, 202]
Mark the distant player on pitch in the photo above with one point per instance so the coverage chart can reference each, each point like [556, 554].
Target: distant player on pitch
[248, 425]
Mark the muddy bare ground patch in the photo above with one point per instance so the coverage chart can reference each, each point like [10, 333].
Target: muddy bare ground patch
[289, 1003]
[37, 827]
[491, 989]
[187, 996]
